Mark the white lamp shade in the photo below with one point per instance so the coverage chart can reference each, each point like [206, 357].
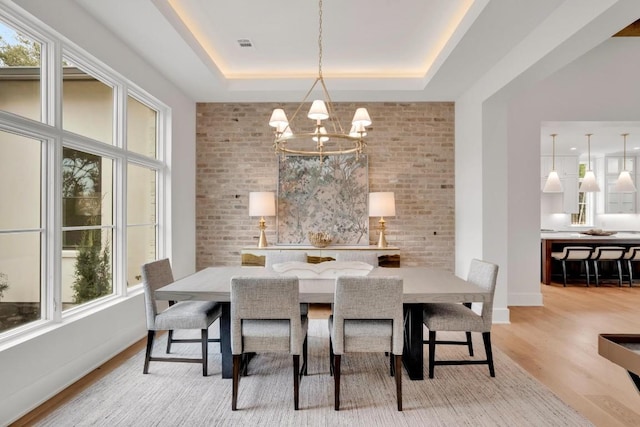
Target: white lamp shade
[589, 183]
[553, 184]
[357, 131]
[278, 119]
[322, 131]
[262, 203]
[361, 117]
[624, 183]
[318, 110]
[382, 204]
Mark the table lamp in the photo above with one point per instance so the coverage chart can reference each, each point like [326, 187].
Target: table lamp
[382, 204]
[262, 203]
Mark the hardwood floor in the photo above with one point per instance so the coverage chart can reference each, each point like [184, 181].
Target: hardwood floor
[556, 344]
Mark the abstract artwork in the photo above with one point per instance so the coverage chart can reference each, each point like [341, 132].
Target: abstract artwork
[323, 196]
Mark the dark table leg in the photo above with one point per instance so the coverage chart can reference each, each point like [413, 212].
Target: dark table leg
[225, 340]
[413, 353]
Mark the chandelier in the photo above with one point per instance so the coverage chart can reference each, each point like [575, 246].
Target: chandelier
[328, 135]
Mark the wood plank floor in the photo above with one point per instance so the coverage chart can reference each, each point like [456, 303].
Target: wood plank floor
[556, 344]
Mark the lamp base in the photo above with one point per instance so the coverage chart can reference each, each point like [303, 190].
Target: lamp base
[262, 241]
[382, 240]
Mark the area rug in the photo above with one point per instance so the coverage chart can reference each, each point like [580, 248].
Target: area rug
[176, 394]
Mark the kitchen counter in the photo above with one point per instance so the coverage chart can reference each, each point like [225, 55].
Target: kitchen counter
[557, 240]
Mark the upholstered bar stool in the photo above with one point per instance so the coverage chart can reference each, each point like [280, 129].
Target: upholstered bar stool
[573, 253]
[610, 254]
[632, 255]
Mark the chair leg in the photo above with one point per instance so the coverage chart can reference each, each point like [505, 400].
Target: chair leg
[398, 372]
[629, 266]
[147, 357]
[469, 343]
[296, 380]
[432, 352]
[330, 357]
[205, 341]
[304, 357]
[586, 267]
[169, 340]
[486, 337]
[619, 265]
[237, 358]
[336, 381]
[595, 272]
[564, 273]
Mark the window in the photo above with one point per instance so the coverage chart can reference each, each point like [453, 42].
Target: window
[585, 202]
[20, 72]
[20, 230]
[83, 192]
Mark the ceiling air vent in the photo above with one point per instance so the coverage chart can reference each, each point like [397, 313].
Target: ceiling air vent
[245, 43]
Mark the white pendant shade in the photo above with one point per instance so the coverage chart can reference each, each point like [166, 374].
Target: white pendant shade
[318, 110]
[553, 184]
[361, 117]
[589, 183]
[624, 183]
[278, 119]
[322, 131]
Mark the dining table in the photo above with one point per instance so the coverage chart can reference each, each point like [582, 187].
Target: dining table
[420, 285]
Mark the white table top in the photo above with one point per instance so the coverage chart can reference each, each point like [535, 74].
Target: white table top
[421, 284]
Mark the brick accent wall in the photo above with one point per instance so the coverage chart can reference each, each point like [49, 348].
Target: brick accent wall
[411, 152]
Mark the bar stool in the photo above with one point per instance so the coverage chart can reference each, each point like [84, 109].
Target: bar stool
[573, 253]
[608, 253]
[632, 254]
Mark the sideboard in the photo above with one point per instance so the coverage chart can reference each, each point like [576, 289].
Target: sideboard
[254, 256]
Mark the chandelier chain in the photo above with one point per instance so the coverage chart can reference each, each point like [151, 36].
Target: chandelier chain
[320, 39]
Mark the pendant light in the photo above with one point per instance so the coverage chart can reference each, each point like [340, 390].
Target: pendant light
[553, 184]
[589, 183]
[624, 184]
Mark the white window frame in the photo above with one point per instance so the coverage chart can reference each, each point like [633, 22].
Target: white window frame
[54, 137]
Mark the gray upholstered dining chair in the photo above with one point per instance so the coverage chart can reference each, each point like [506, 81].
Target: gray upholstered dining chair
[632, 255]
[613, 254]
[273, 257]
[573, 254]
[265, 318]
[181, 315]
[461, 318]
[367, 317]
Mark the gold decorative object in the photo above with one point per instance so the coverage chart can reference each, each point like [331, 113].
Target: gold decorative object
[320, 239]
[329, 138]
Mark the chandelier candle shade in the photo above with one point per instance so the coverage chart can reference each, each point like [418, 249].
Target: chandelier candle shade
[262, 204]
[382, 204]
[328, 135]
[589, 183]
[624, 184]
[553, 184]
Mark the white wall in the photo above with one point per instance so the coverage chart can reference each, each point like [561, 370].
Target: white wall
[36, 369]
[503, 226]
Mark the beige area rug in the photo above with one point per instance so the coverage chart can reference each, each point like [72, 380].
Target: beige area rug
[176, 394]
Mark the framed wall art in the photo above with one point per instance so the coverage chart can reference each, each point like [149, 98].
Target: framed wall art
[327, 196]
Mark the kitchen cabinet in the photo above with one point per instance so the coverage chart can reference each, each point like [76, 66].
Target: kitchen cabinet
[567, 168]
[615, 202]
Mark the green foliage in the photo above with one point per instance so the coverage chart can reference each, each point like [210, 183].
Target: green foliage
[24, 54]
[93, 269]
[4, 284]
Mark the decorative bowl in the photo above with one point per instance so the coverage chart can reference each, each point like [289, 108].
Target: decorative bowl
[319, 239]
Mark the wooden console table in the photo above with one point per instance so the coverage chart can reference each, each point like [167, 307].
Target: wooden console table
[254, 256]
